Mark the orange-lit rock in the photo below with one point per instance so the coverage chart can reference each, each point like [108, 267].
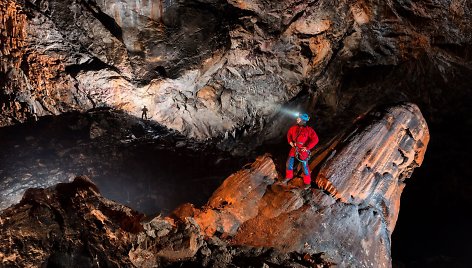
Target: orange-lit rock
[365, 171]
[368, 168]
[359, 12]
[71, 224]
[12, 48]
[237, 199]
[12, 33]
[34, 81]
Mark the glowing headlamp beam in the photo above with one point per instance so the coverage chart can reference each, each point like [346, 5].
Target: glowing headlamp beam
[289, 112]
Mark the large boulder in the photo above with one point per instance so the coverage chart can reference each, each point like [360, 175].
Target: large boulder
[67, 225]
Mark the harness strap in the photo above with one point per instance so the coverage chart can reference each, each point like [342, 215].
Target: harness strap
[296, 155]
[300, 128]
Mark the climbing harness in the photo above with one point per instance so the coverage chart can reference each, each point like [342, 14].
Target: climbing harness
[297, 155]
[297, 149]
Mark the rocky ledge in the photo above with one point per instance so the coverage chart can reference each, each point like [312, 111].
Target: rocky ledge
[252, 219]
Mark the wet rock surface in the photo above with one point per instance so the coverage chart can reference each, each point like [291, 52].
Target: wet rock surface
[251, 219]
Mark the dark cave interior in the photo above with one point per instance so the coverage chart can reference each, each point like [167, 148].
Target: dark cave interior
[145, 166]
[153, 170]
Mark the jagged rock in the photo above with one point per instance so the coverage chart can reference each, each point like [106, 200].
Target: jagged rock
[71, 225]
[206, 68]
[66, 225]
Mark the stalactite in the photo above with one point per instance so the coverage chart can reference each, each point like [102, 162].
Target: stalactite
[30, 77]
[12, 35]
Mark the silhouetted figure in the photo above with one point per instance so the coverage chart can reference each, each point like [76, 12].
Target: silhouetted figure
[144, 114]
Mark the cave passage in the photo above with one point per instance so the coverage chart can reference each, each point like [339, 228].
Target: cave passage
[134, 162]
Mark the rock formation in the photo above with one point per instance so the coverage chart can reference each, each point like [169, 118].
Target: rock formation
[223, 71]
[66, 225]
[365, 174]
[225, 68]
[251, 219]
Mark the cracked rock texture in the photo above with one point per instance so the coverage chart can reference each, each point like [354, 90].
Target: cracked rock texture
[371, 170]
[225, 68]
[250, 220]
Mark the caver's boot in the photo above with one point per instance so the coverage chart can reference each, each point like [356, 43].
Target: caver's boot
[288, 176]
[307, 181]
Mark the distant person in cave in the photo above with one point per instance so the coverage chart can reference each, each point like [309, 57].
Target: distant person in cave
[144, 114]
[302, 139]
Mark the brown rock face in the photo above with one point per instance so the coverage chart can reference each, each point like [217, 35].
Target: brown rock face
[12, 42]
[71, 225]
[67, 225]
[33, 78]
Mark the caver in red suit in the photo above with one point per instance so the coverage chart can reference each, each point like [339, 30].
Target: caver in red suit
[302, 138]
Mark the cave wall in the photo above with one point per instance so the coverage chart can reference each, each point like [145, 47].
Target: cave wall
[224, 69]
[211, 68]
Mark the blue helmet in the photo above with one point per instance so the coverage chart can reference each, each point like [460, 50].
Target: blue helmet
[304, 117]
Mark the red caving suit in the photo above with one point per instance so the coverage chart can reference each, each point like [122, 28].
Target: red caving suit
[301, 136]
